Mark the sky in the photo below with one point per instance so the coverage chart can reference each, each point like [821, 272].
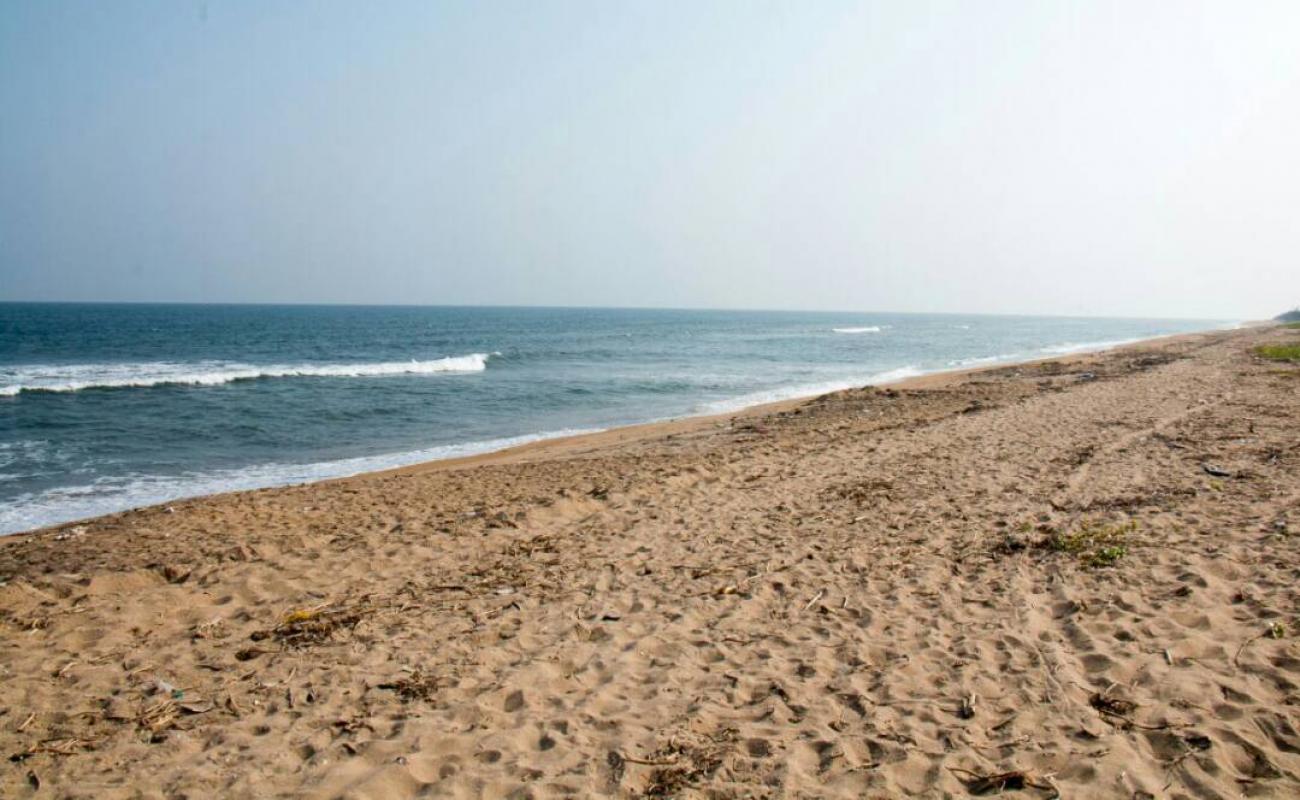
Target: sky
[1133, 158]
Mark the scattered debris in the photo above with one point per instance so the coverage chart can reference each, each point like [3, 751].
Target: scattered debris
[1015, 780]
[212, 629]
[966, 708]
[158, 716]
[1112, 706]
[54, 747]
[1276, 630]
[172, 573]
[1118, 711]
[1197, 741]
[415, 686]
[71, 533]
[250, 653]
[195, 705]
[309, 626]
[681, 764]
[1012, 543]
[816, 597]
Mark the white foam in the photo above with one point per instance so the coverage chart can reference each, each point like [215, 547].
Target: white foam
[1069, 348]
[805, 390]
[982, 360]
[865, 329]
[110, 495]
[76, 377]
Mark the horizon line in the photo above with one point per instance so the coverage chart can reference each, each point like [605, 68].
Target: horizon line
[543, 306]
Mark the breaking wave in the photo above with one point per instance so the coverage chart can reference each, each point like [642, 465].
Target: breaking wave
[864, 329]
[76, 377]
[806, 390]
[979, 361]
[1069, 348]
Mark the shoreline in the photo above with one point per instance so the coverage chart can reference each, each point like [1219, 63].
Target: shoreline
[571, 443]
[638, 431]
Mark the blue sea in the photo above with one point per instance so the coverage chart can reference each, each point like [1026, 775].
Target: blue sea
[108, 407]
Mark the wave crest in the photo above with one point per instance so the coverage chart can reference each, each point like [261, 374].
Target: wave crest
[1070, 348]
[864, 329]
[807, 390]
[76, 377]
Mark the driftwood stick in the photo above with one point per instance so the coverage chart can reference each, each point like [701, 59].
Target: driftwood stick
[813, 601]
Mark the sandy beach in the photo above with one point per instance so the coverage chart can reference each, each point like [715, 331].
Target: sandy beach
[1073, 578]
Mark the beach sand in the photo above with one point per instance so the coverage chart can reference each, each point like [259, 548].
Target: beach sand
[1078, 575]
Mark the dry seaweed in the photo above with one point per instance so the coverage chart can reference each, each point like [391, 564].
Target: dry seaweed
[678, 764]
[416, 686]
[1014, 780]
[312, 626]
[55, 747]
[1112, 706]
[158, 716]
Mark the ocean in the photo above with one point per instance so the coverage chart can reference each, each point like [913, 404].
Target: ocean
[109, 407]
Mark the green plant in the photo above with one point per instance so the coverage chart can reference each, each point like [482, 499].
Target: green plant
[1279, 352]
[1094, 543]
[1106, 556]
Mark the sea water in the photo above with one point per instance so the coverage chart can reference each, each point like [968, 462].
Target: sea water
[108, 407]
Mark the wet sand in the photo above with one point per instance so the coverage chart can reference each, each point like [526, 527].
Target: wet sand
[1079, 575]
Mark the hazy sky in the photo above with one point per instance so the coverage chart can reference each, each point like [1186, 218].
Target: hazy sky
[1136, 158]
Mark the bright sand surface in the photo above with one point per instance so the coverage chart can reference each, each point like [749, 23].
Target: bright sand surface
[1078, 575]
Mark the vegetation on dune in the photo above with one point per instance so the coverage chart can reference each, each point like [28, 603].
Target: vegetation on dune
[1290, 316]
[1279, 352]
[1096, 544]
